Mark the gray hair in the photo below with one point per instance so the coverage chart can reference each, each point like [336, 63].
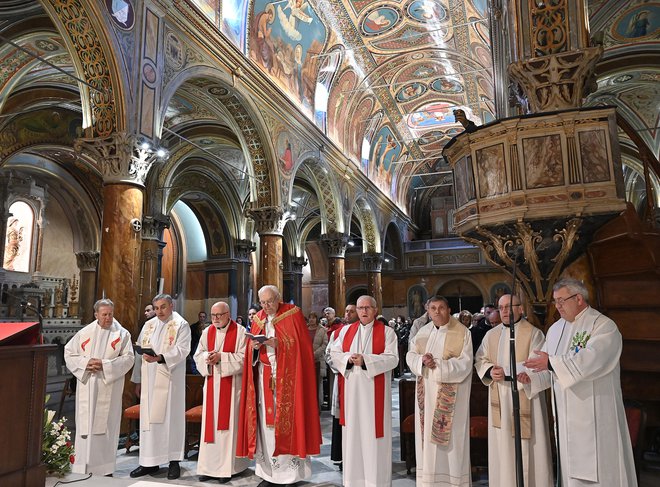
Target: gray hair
[103, 302]
[329, 309]
[162, 296]
[435, 299]
[574, 287]
[272, 289]
[371, 299]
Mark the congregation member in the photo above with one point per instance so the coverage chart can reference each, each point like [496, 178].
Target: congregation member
[219, 358]
[99, 356]
[161, 386]
[482, 327]
[418, 323]
[364, 354]
[196, 329]
[440, 356]
[492, 366]
[580, 362]
[319, 339]
[279, 422]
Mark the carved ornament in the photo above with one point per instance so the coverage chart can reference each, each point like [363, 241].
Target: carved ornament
[373, 261]
[87, 260]
[268, 220]
[153, 227]
[243, 249]
[335, 243]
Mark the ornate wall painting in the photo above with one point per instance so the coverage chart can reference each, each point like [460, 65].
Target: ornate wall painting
[287, 152]
[482, 30]
[464, 181]
[481, 6]
[338, 102]
[384, 150]
[491, 171]
[356, 133]
[121, 12]
[426, 11]
[234, 14]
[543, 161]
[285, 40]
[215, 227]
[432, 115]
[18, 239]
[431, 137]
[417, 296]
[211, 10]
[410, 92]
[593, 154]
[641, 22]
[498, 290]
[446, 85]
[379, 20]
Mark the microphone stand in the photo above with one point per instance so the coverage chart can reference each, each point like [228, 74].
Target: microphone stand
[515, 395]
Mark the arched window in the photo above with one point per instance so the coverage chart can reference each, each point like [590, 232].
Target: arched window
[327, 72]
[18, 239]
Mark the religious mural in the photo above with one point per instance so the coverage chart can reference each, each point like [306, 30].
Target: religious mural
[380, 20]
[543, 161]
[234, 13]
[385, 149]
[18, 239]
[417, 296]
[432, 115]
[286, 39]
[464, 181]
[640, 22]
[121, 12]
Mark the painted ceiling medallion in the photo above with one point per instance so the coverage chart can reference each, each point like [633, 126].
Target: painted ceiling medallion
[379, 20]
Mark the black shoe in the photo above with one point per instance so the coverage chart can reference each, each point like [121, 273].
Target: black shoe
[264, 483]
[174, 472]
[224, 480]
[142, 471]
[206, 478]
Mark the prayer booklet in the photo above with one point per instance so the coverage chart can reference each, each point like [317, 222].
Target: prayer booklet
[146, 351]
[257, 338]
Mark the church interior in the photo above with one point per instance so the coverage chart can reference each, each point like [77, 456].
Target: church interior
[204, 148]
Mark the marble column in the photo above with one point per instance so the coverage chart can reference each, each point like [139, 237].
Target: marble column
[295, 276]
[152, 253]
[87, 263]
[373, 263]
[125, 166]
[269, 225]
[336, 243]
[242, 251]
[41, 223]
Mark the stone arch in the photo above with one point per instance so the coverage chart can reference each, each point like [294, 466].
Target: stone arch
[247, 122]
[89, 44]
[393, 243]
[450, 289]
[364, 211]
[321, 177]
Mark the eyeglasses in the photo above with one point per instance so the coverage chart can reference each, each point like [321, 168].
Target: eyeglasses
[502, 308]
[561, 301]
[267, 303]
[364, 308]
[218, 315]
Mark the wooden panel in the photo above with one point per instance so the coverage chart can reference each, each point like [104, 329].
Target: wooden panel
[613, 257]
[640, 356]
[639, 291]
[218, 284]
[195, 285]
[642, 386]
[636, 324]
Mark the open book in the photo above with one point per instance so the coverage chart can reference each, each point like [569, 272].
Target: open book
[257, 338]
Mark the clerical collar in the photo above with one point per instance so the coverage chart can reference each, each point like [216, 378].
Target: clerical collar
[166, 321]
[579, 315]
[366, 324]
[437, 327]
[506, 325]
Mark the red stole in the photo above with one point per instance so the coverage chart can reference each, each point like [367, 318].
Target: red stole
[377, 347]
[226, 383]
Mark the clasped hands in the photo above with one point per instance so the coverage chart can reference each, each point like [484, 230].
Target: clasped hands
[94, 365]
[429, 361]
[213, 358]
[356, 359]
[271, 342]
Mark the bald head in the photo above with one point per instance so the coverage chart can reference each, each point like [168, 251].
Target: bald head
[220, 314]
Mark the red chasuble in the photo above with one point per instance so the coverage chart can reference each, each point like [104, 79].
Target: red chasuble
[297, 421]
[378, 347]
[226, 383]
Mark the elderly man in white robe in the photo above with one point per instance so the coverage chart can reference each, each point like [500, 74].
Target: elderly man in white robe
[441, 358]
[219, 358]
[580, 361]
[160, 375]
[364, 354]
[99, 356]
[492, 365]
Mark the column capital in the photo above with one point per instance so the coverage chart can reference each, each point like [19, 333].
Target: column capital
[153, 226]
[297, 264]
[119, 156]
[87, 260]
[243, 248]
[335, 243]
[373, 261]
[269, 219]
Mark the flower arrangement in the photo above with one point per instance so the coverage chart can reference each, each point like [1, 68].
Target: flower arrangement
[56, 447]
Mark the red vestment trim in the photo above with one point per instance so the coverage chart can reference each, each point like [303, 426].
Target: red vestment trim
[226, 383]
[267, 386]
[377, 347]
[297, 422]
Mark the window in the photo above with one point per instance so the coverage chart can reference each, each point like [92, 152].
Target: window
[18, 239]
